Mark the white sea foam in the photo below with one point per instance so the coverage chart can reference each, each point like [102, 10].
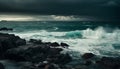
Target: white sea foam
[97, 41]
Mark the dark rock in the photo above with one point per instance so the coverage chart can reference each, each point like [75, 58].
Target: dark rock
[1, 48]
[87, 55]
[50, 66]
[13, 54]
[20, 42]
[47, 43]
[34, 41]
[41, 65]
[27, 65]
[38, 53]
[10, 38]
[55, 51]
[63, 59]
[47, 66]
[8, 41]
[81, 67]
[64, 45]
[6, 29]
[2, 66]
[109, 62]
[55, 44]
[14, 48]
[87, 63]
[26, 53]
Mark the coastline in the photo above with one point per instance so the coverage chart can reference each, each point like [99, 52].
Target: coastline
[36, 54]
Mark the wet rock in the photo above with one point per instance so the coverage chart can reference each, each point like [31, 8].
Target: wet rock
[34, 41]
[14, 54]
[55, 44]
[26, 53]
[16, 49]
[2, 66]
[8, 41]
[1, 48]
[64, 45]
[6, 29]
[87, 55]
[11, 40]
[38, 53]
[87, 63]
[20, 42]
[109, 62]
[63, 59]
[54, 51]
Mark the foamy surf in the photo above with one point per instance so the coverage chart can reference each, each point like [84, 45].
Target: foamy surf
[97, 41]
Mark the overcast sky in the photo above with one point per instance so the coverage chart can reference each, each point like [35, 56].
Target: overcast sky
[103, 9]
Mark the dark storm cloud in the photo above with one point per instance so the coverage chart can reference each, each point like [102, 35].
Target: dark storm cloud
[97, 8]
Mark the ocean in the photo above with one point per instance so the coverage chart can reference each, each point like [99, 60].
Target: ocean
[100, 38]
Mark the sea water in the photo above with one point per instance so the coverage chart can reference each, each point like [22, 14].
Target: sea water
[100, 38]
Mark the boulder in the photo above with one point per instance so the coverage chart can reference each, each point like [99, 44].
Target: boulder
[38, 53]
[55, 51]
[64, 45]
[20, 42]
[109, 62]
[54, 44]
[25, 53]
[87, 55]
[87, 63]
[2, 66]
[63, 59]
[8, 41]
[1, 48]
[34, 41]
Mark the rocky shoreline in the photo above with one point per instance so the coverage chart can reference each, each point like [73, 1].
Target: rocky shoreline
[35, 54]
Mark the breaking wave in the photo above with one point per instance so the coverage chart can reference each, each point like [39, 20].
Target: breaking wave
[98, 41]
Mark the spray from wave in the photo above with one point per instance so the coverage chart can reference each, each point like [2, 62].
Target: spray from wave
[98, 41]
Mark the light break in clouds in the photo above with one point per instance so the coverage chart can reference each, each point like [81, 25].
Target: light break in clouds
[42, 18]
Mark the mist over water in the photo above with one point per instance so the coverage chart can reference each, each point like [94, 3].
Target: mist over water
[98, 38]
